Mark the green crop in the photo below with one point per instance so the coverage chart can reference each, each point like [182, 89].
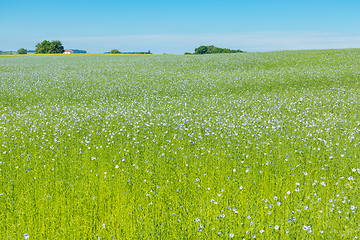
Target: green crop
[246, 145]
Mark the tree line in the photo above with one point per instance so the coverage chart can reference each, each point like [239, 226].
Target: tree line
[45, 47]
[212, 49]
[49, 47]
[116, 51]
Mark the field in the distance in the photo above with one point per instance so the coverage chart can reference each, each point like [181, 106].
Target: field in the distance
[249, 145]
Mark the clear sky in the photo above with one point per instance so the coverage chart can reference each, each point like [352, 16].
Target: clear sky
[165, 26]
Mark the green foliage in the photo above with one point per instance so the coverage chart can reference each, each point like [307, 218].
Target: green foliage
[212, 49]
[201, 50]
[43, 47]
[49, 47]
[261, 145]
[56, 47]
[114, 51]
[22, 51]
[148, 52]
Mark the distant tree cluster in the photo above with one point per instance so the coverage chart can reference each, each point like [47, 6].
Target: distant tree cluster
[78, 51]
[148, 52]
[212, 49]
[49, 47]
[22, 51]
[7, 52]
[115, 51]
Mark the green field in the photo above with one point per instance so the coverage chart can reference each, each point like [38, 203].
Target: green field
[238, 146]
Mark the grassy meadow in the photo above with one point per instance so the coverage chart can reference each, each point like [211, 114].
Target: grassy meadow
[241, 146]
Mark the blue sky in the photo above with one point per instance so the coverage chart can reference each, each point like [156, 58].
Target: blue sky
[180, 26]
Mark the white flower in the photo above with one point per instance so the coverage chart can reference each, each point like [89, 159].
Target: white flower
[231, 235]
[234, 170]
[276, 227]
[26, 236]
[117, 166]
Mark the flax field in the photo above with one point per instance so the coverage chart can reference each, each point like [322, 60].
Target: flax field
[241, 146]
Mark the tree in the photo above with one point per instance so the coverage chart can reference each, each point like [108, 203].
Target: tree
[56, 47]
[22, 51]
[42, 47]
[201, 50]
[114, 51]
[212, 49]
[49, 47]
